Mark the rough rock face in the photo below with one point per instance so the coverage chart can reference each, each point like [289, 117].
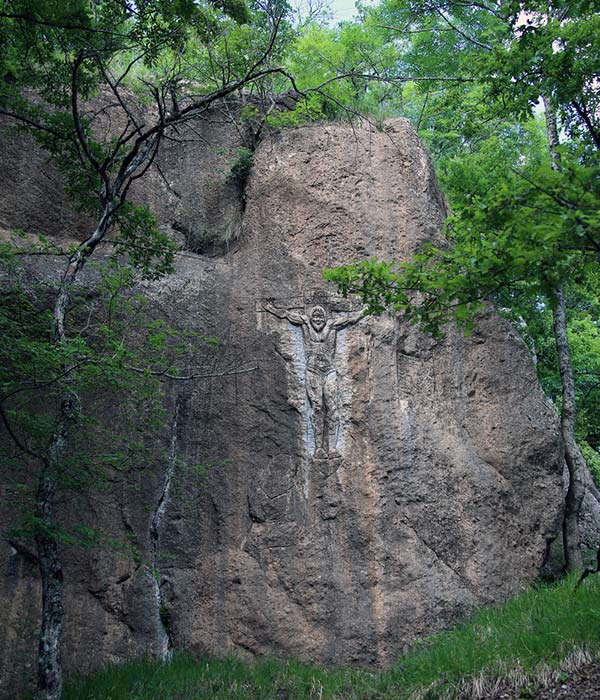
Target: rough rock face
[366, 486]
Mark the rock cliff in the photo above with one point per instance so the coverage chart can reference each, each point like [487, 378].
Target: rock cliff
[367, 485]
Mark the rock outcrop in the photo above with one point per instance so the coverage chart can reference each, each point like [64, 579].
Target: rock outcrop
[366, 485]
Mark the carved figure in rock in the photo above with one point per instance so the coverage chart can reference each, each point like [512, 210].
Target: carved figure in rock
[321, 378]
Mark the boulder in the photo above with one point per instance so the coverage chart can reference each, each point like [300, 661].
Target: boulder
[365, 485]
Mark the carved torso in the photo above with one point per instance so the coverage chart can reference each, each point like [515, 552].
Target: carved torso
[320, 349]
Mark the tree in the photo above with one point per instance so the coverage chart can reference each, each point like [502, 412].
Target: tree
[100, 85]
[536, 224]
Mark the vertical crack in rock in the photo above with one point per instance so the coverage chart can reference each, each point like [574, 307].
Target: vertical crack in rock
[163, 641]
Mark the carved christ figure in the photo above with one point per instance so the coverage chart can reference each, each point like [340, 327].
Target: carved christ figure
[320, 335]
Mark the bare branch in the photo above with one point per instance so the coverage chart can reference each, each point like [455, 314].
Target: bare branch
[464, 35]
[583, 113]
[382, 79]
[83, 143]
[28, 19]
[23, 551]
[406, 30]
[166, 375]
[16, 439]
[36, 385]
[423, 106]
[35, 125]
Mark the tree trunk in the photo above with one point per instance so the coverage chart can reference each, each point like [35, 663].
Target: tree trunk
[49, 679]
[576, 464]
[575, 461]
[551, 132]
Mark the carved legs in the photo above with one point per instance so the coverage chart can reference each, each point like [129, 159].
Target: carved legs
[332, 406]
[323, 397]
[314, 389]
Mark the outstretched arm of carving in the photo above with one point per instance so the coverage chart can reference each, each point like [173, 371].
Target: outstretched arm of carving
[280, 313]
[292, 316]
[349, 320]
[296, 318]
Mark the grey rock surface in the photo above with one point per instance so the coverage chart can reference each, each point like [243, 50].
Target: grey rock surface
[366, 485]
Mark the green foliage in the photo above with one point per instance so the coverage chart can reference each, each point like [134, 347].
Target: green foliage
[114, 360]
[308, 109]
[202, 470]
[242, 165]
[554, 51]
[531, 634]
[148, 249]
[343, 72]
[498, 60]
[79, 75]
[591, 456]
[165, 615]
[519, 226]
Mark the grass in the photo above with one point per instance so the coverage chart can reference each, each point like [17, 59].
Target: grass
[530, 641]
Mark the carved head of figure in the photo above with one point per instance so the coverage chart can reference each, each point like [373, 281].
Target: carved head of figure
[317, 318]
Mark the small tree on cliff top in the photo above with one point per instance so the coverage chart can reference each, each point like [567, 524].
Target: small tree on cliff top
[158, 64]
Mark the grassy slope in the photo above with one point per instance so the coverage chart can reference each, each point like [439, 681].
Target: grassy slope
[529, 639]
